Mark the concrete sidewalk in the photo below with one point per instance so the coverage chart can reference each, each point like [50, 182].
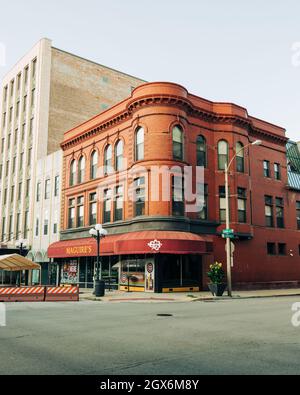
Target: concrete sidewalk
[131, 297]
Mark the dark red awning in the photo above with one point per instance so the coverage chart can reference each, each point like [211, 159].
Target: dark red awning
[146, 242]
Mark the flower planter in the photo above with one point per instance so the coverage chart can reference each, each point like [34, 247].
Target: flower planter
[217, 289]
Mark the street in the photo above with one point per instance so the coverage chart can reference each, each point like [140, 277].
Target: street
[223, 337]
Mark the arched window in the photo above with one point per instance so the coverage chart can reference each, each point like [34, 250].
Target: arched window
[139, 144]
[94, 165]
[72, 173]
[178, 143]
[81, 170]
[201, 151]
[240, 157]
[223, 154]
[108, 160]
[119, 150]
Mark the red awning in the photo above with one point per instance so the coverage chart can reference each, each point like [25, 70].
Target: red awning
[146, 242]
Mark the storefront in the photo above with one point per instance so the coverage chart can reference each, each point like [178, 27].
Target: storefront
[149, 261]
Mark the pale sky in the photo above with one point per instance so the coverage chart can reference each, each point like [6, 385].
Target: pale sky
[229, 50]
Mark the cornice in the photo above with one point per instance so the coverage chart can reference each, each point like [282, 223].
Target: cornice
[176, 102]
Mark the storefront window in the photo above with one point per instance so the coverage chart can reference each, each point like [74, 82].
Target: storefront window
[134, 269]
[70, 273]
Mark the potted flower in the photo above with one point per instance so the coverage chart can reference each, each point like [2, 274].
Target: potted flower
[217, 277]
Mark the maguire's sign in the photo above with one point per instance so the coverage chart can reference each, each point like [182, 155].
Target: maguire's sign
[84, 250]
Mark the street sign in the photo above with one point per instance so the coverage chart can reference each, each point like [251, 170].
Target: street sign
[228, 234]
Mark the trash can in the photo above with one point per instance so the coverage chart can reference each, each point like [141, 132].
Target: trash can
[99, 288]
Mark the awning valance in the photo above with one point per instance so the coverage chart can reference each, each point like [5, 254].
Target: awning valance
[146, 242]
[15, 263]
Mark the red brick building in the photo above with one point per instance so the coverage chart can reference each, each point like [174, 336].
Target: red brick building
[156, 240]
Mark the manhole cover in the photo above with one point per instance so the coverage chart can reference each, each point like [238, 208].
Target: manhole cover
[164, 315]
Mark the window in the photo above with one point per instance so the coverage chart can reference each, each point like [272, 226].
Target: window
[201, 152]
[222, 200]
[55, 227]
[5, 94]
[26, 75]
[107, 206]
[267, 172]
[29, 157]
[27, 188]
[242, 205]
[47, 189]
[23, 131]
[46, 224]
[37, 225]
[21, 161]
[178, 143]
[31, 126]
[298, 214]
[72, 173]
[277, 171]
[26, 223]
[271, 248]
[240, 158]
[94, 165]
[280, 212]
[20, 191]
[25, 104]
[32, 97]
[16, 136]
[18, 109]
[178, 208]
[139, 198]
[71, 219]
[19, 82]
[282, 249]
[118, 204]
[12, 85]
[119, 150]
[81, 170]
[10, 114]
[4, 120]
[18, 228]
[139, 144]
[93, 209]
[108, 160]
[12, 194]
[5, 196]
[56, 186]
[80, 212]
[10, 228]
[38, 192]
[223, 154]
[202, 202]
[269, 211]
[34, 62]
[7, 168]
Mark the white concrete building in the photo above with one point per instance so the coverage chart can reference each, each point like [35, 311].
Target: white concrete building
[46, 213]
[46, 93]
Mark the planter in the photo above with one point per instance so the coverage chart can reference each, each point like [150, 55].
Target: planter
[217, 289]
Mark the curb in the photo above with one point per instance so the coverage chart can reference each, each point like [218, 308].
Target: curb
[244, 297]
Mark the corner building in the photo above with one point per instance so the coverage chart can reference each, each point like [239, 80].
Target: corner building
[158, 243]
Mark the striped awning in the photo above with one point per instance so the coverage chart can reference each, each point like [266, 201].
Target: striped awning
[17, 263]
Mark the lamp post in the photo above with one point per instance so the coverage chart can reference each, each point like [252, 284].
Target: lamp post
[21, 245]
[98, 233]
[227, 197]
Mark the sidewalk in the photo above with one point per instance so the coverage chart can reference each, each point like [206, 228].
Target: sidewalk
[131, 297]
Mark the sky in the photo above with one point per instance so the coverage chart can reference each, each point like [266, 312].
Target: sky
[234, 51]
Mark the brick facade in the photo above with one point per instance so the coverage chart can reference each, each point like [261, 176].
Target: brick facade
[158, 107]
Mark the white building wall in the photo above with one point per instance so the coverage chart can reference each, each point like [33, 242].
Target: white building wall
[47, 208]
[26, 127]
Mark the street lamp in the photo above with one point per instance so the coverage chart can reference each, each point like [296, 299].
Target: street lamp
[21, 245]
[98, 233]
[227, 197]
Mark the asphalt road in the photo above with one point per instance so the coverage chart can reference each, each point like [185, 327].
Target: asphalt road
[224, 337]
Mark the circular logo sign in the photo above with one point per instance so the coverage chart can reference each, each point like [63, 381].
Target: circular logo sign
[150, 268]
